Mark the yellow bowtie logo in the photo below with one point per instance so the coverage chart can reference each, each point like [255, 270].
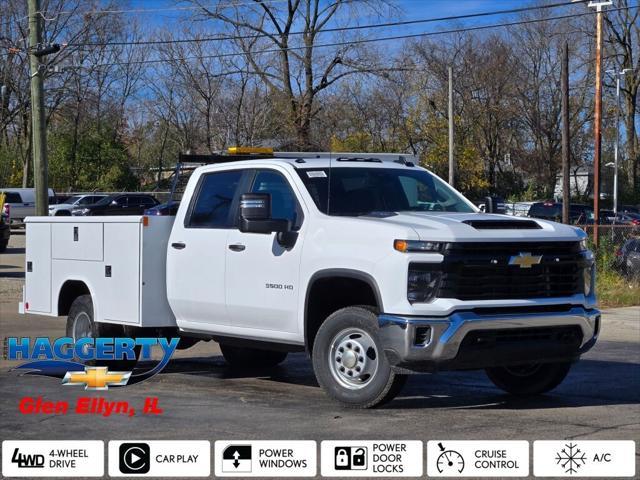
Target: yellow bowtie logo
[525, 260]
[96, 378]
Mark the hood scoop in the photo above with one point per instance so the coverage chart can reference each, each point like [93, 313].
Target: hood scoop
[503, 224]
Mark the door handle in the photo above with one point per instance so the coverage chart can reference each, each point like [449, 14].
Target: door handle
[237, 247]
[178, 245]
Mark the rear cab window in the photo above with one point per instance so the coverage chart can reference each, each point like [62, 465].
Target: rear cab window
[12, 197]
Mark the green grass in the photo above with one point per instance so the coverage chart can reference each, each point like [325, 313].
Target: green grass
[612, 288]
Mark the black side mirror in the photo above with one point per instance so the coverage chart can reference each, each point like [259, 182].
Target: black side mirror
[494, 205]
[255, 217]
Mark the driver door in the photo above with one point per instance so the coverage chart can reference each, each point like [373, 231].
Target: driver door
[262, 277]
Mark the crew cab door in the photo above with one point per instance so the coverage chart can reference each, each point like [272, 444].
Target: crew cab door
[262, 277]
[197, 249]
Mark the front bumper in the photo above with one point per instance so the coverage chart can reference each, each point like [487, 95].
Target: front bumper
[487, 338]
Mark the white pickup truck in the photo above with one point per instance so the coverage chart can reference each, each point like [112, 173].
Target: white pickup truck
[370, 263]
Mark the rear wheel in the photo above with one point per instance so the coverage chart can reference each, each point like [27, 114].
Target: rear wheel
[80, 324]
[532, 379]
[245, 357]
[349, 362]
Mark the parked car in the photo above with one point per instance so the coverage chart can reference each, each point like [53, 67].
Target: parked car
[64, 207]
[629, 209]
[5, 231]
[578, 214]
[627, 258]
[21, 202]
[170, 208]
[628, 219]
[118, 204]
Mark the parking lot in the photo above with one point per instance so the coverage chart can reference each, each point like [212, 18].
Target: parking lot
[599, 400]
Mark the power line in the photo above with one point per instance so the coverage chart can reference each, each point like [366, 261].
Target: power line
[335, 29]
[356, 42]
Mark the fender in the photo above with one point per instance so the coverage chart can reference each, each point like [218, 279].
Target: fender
[87, 283]
[339, 272]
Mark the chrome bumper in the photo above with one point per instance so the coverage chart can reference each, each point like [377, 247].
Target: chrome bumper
[424, 343]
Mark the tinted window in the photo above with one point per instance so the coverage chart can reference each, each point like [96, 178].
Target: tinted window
[542, 210]
[138, 200]
[283, 200]
[12, 197]
[213, 202]
[359, 191]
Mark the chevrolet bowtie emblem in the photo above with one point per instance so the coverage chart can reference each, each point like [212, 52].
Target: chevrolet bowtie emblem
[96, 378]
[525, 260]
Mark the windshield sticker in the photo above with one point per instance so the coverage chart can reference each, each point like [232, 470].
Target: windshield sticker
[316, 174]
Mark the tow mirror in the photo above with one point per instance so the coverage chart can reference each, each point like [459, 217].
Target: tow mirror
[255, 217]
[494, 205]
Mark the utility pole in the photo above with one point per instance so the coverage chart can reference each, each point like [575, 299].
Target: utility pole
[452, 165]
[566, 135]
[597, 119]
[38, 121]
[616, 148]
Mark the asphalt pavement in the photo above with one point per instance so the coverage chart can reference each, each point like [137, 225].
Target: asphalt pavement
[203, 399]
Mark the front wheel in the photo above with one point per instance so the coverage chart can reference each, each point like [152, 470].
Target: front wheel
[349, 362]
[242, 357]
[532, 379]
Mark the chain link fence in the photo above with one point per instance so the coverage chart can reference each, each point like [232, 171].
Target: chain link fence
[613, 235]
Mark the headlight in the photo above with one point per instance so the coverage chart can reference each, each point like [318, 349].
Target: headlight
[423, 282]
[417, 246]
[80, 211]
[584, 245]
[588, 273]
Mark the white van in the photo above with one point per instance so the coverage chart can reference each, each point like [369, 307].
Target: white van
[19, 203]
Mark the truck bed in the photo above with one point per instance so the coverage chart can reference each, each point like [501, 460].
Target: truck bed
[121, 259]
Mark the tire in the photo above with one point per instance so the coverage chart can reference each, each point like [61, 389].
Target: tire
[529, 379]
[80, 324]
[346, 342]
[241, 357]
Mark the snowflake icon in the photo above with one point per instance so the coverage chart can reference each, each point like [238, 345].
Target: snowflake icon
[571, 458]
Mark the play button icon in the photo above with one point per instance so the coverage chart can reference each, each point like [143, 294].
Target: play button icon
[134, 458]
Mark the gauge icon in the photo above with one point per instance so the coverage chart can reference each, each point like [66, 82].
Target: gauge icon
[450, 461]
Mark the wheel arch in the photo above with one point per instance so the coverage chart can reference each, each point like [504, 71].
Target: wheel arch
[367, 293]
[69, 291]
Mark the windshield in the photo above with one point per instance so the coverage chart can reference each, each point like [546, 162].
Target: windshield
[360, 191]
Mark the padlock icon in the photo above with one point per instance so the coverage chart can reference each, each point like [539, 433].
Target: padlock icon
[343, 458]
[359, 458]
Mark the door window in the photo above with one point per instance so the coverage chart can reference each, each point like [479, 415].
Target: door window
[213, 200]
[283, 200]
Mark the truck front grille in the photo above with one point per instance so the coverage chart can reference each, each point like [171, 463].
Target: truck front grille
[481, 271]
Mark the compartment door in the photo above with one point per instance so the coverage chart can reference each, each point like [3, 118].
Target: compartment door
[38, 268]
[120, 284]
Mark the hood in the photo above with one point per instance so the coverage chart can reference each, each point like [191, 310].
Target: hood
[474, 227]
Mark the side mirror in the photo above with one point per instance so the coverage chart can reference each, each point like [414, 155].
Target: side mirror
[494, 205]
[255, 215]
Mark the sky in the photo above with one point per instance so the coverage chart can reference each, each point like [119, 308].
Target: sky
[411, 9]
